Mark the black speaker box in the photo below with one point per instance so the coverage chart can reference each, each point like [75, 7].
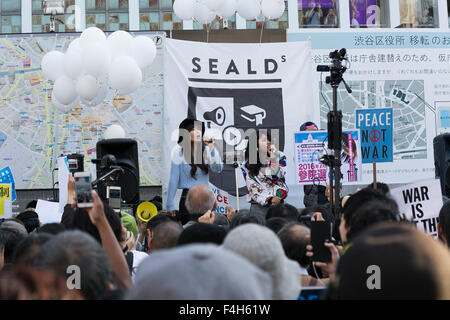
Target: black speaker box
[126, 153]
[441, 145]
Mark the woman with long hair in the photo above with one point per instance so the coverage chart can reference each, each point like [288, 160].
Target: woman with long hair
[187, 169]
[264, 172]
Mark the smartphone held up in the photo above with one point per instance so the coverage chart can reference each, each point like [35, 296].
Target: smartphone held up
[320, 233]
[83, 189]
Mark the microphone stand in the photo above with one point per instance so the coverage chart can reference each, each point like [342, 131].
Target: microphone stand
[236, 166]
[114, 170]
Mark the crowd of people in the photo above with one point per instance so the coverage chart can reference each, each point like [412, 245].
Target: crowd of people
[100, 254]
[266, 252]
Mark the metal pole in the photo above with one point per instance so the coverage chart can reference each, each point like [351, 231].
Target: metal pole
[337, 156]
[374, 175]
[237, 186]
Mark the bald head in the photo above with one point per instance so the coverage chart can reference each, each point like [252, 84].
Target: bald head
[294, 239]
[199, 199]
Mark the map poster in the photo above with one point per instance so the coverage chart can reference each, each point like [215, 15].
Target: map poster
[311, 145]
[34, 133]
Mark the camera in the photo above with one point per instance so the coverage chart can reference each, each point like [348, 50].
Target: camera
[336, 62]
[306, 218]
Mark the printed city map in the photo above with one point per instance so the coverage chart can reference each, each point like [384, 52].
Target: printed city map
[33, 133]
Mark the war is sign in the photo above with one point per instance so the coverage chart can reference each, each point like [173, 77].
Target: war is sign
[376, 127]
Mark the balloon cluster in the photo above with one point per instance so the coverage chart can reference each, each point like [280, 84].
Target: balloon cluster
[82, 72]
[205, 11]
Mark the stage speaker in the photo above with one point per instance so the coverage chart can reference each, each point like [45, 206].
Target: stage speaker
[441, 145]
[125, 152]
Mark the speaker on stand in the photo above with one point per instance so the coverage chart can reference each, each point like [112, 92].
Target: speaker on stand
[441, 145]
[117, 164]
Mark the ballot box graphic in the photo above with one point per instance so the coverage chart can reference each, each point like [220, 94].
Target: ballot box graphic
[227, 113]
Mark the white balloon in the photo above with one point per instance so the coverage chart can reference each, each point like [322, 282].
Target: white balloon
[123, 71]
[87, 87]
[273, 9]
[249, 9]
[73, 63]
[133, 86]
[75, 44]
[184, 9]
[64, 90]
[96, 59]
[114, 132]
[119, 43]
[91, 35]
[52, 65]
[202, 14]
[62, 107]
[143, 50]
[228, 9]
[214, 5]
[101, 95]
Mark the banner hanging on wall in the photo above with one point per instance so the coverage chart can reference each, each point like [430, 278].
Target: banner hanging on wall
[233, 88]
[405, 71]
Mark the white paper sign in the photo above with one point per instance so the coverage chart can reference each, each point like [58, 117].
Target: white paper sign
[421, 203]
[63, 181]
[48, 212]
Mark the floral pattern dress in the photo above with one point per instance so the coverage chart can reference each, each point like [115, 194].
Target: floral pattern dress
[269, 182]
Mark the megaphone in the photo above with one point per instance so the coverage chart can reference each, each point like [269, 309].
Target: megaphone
[217, 116]
[146, 210]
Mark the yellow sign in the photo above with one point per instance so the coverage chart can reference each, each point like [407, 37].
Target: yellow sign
[5, 192]
[2, 207]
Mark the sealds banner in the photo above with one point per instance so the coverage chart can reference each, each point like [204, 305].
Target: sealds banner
[234, 88]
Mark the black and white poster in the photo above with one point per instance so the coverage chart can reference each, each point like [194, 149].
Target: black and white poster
[233, 88]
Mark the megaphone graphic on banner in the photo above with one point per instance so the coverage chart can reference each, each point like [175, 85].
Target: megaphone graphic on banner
[146, 210]
[217, 116]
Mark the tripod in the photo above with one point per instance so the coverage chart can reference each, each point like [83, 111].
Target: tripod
[334, 126]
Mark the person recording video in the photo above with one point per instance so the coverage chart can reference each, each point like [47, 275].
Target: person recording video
[314, 14]
[265, 177]
[186, 169]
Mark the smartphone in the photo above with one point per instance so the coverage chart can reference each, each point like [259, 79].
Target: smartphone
[83, 189]
[113, 194]
[320, 233]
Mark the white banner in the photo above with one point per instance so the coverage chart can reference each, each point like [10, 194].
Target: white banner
[403, 70]
[237, 86]
[421, 203]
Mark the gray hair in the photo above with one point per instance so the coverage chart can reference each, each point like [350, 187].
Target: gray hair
[199, 200]
[15, 225]
[80, 249]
